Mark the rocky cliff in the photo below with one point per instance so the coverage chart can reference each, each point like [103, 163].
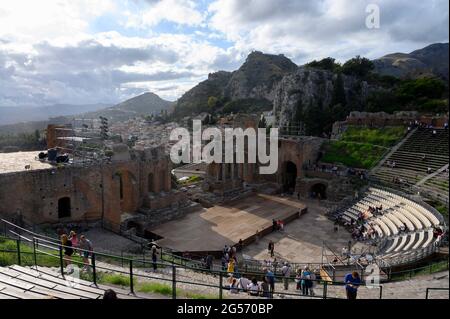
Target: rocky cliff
[254, 81]
[315, 88]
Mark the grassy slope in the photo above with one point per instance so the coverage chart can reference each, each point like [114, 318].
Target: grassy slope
[362, 147]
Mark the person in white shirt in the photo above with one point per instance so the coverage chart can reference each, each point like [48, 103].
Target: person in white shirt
[253, 288]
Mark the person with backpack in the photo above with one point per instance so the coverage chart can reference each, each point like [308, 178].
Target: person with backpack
[306, 281]
[286, 271]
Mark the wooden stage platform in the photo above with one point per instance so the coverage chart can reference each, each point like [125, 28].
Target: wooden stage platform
[210, 229]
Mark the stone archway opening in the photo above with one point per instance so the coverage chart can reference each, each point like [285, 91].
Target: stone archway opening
[319, 191]
[289, 177]
[64, 207]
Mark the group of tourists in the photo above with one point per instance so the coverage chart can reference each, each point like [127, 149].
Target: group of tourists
[73, 244]
[264, 288]
[229, 260]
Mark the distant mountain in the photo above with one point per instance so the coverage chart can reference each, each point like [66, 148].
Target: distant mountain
[253, 83]
[429, 61]
[145, 104]
[20, 114]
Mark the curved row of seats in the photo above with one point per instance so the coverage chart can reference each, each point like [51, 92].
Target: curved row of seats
[398, 212]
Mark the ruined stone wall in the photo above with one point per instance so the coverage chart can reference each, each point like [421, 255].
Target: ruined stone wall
[299, 151]
[102, 190]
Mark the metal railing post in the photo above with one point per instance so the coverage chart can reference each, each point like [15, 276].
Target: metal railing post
[18, 252]
[34, 252]
[381, 292]
[174, 282]
[220, 285]
[426, 294]
[94, 270]
[61, 260]
[131, 277]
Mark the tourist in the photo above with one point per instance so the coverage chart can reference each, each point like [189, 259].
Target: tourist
[352, 282]
[344, 252]
[429, 170]
[298, 279]
[74, 239]
[264, 288]
[85, 250]
[306, 281]
[230, 268]
[244, 283]
[68, 250]
[280, 224]
[224, 262]
[209, 261]
[271, 248]
[446, 126]
[336, 226]
[240, 244]
[434, 133]
[154, 257]
[313, 282]
[253, 288]
[286, 271]
[274, 225]
[270, 280]
[110, 295]
[234, 286]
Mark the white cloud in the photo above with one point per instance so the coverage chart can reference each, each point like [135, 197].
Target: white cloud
[86, 51]
[182, 12]
[31, 21]
[305, 30]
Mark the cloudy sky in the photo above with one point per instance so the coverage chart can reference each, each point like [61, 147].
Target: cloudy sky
[91, 51]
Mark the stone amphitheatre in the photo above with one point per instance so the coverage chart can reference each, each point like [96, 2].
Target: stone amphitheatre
[335, 220]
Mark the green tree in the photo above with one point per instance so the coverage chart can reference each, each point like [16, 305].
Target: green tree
[212, 102]
[325, 64]
[358, 66]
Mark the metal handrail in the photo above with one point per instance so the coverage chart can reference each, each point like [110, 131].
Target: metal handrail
[39, 244]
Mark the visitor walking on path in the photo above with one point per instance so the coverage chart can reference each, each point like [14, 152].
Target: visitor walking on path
[68, 250]
[74, 239]
[352, 282]
[286, 271]
[271, 248]
[86, 249]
